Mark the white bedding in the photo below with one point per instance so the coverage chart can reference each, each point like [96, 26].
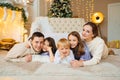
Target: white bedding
[108, 69]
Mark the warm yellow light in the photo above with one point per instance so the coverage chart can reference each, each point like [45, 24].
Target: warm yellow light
[25, 37]
[1, 13]
[97, 17]
[13, 25]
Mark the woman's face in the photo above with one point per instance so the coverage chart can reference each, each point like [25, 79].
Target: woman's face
[73, 41]
[45, 45]
[87, 33]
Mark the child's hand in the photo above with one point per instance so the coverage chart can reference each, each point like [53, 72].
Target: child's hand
[62, 56]
[49, 49]
[28, 58]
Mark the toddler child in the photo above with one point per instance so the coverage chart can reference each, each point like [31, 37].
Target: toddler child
[63, 53]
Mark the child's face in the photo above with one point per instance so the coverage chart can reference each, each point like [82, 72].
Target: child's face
[45, 45]
[64, 51]
[73, 41]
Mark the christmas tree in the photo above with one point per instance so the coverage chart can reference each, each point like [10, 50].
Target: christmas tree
[60, 8]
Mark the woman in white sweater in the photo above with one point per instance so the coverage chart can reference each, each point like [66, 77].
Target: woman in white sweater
[96, 46]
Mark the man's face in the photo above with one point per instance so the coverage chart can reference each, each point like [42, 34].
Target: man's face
[37, 43]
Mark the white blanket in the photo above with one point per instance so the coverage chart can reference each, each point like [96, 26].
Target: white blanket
[108, 69]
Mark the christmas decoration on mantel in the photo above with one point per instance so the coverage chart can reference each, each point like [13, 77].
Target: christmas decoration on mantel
[13, 18]
[13, 8]
[16, 5]
[60, 8]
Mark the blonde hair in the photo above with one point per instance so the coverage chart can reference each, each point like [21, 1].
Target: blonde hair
[63, 42]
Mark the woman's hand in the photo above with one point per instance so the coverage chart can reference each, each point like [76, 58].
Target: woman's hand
[76, 63]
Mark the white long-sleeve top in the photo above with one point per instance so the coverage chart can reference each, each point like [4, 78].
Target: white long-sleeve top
[98, 50]
[66, 60]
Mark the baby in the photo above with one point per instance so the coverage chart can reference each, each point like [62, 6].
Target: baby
[63, 53]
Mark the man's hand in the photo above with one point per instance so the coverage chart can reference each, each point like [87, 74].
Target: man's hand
[28, 58]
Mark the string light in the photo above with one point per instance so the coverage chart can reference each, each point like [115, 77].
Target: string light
[83, 8]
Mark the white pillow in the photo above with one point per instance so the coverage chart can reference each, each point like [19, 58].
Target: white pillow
[56, 36]
[41, 24]
[45, 26]
[44, 59]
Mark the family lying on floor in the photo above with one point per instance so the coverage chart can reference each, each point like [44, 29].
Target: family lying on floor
[78, 51]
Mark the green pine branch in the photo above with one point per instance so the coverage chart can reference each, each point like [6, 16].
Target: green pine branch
[60, 8]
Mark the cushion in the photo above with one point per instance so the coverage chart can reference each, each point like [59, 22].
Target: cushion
[114, 44]
[56, 36]
[8, 40]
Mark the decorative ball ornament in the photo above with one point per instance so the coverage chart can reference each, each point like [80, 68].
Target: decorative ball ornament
[97, 17]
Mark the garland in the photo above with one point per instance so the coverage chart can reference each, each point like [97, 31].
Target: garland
[10, 6]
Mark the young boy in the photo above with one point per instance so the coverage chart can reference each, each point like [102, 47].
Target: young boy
[63, 53]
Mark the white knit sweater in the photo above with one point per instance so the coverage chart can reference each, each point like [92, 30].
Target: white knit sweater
[98, 50]
[20, 50]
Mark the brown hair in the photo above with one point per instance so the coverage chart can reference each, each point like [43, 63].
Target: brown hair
[36, 34]
[79, 49]
[51, 43]
[94, 28]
